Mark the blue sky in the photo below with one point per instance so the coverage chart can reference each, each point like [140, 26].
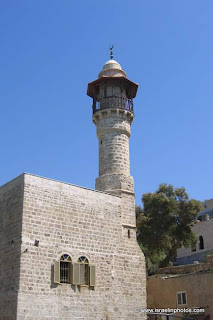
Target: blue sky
[50, 50]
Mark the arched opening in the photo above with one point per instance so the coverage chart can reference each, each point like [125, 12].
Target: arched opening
[201, 243]
[84, 270]
[65, 268]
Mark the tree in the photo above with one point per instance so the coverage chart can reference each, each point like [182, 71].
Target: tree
[164, 224]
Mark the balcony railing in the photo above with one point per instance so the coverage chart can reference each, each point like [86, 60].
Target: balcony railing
[113, 102]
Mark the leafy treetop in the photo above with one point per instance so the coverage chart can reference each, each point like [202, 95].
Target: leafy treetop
[164, 224]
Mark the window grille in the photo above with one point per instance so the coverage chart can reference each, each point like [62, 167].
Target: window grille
[65, 268]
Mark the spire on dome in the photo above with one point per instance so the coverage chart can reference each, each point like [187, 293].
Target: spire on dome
[111, 52]
[112, 68]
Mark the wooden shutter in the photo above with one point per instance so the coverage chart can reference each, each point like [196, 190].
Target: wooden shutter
[76, 273]
[82, 273]
[92, 276]
[57, 271]
[70, 273]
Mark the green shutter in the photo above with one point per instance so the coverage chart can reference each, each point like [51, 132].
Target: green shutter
[92, 276]
[57, 271]
[82, 273]
[76, 273]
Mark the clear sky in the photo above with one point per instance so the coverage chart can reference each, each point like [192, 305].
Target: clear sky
[51, 49]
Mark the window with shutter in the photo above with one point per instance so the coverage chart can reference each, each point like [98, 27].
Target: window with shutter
[63, 270]
[79, 273]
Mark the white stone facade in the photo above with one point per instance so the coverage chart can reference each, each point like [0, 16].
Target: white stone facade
[43, 219]
[73, 220]
[204, 229]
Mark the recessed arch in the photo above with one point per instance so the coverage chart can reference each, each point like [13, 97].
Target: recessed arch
[201, 243]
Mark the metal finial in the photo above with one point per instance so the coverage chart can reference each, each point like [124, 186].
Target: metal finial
[111, 52]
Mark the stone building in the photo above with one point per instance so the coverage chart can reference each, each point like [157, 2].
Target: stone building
[185, 291]
[204, 232]
[68, 252]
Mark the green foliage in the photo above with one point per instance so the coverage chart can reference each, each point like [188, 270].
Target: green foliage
[164, 224]
[206, 254]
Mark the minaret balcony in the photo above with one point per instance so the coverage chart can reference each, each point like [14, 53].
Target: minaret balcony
[113, 102]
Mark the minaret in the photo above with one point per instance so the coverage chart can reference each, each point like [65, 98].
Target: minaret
[113, 114]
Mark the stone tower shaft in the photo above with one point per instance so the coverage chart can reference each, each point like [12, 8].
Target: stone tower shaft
[113, 132]
[113, 114]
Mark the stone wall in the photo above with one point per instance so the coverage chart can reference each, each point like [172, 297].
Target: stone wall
[190, 268]
[78, 221]
[203, 229]
[11, 207]
[208, 203]
[162, 292]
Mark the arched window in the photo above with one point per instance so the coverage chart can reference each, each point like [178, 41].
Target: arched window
[77, 273]
[65, 268]
[201, 243]
[84, 270]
